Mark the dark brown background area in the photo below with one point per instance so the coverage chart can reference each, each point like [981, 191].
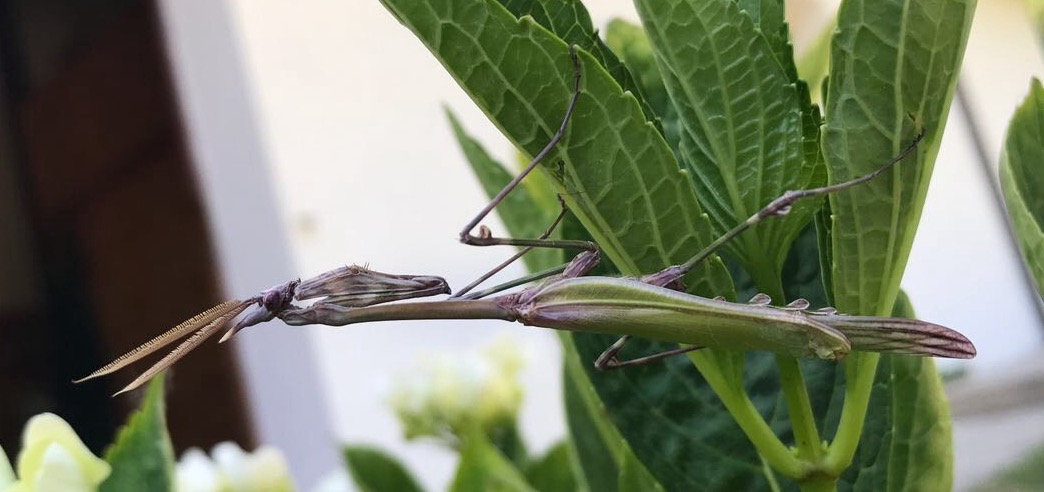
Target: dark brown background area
[103, 240]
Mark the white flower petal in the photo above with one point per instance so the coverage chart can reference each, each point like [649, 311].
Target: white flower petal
[60, 472]
[265, 470]
[195, 472]
[49, 442]
[335, 481]
[269, 471]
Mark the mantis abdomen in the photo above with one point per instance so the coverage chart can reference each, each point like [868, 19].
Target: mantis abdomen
[630, 307]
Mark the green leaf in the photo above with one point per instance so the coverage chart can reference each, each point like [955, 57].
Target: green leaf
[598, 445]
[373, 470]
[635, 478]
[888, 81]
[1022, 179]
[802, 272]
[907, 442]
[483, 468]
[604, 456]
[628, 394]
[769, 19]
[142, 457]
[554, 471]
[677, 425]
[522, 213]
[614, 170]
[571, 22]
[1024, 476]
[632, 45]
[741, 119]
[634, 49]
[667, 415]
[671, 418]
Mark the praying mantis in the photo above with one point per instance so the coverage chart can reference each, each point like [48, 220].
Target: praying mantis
[563, 298]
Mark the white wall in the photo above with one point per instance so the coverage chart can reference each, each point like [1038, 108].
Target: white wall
[247, 225]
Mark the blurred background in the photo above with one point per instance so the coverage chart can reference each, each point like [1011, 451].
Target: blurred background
[159, 157]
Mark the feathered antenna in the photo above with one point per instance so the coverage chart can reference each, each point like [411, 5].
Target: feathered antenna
[198, 322]
[192, 342]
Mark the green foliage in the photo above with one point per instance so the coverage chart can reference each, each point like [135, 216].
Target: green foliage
[912, 54]
[1022, 179]
[483, 468]
[741, 120]
[142, 457]
[907, 443]
[635, 478]
[615, 172]
[598, 444]
[1024, 476]
[553, 472]
[707, 103]
[373, 470]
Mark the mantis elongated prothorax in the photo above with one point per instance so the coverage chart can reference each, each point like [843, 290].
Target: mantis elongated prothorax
[651, 306]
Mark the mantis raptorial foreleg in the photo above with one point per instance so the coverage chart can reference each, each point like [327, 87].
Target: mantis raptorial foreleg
[670, 277]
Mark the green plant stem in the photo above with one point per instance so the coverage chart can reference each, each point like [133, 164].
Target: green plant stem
[860, 370]
[738, 403]
[770, 475]
[818, 484]
[802, 418]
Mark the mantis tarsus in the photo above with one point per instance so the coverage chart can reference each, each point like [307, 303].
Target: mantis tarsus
[651, 306]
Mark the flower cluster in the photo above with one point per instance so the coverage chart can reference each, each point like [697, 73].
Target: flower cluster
[54, 459]
[449, 397]
[230, 469]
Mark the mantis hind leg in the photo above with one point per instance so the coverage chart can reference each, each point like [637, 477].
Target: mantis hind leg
[671, 276]
[608, 359]
[776, 208]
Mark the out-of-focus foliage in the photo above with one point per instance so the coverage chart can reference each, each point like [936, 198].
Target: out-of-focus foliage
[1022, 179]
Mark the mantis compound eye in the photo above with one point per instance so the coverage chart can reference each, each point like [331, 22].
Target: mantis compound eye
[279, 298]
